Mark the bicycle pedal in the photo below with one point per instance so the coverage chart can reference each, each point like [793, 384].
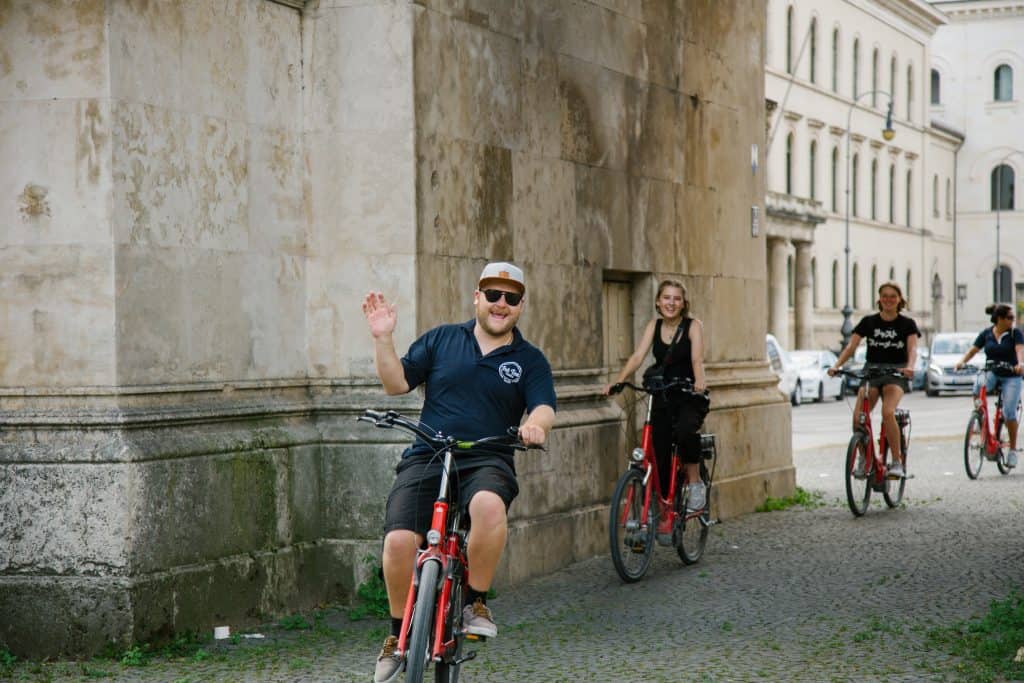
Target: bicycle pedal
[474, 637]
[468, 656]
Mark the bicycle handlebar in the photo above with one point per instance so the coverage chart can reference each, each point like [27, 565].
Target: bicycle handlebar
[684, 385]
[390, 419]
[999, 365]
[870, 373]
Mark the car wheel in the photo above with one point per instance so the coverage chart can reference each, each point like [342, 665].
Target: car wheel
[794, 399]
[928, 391]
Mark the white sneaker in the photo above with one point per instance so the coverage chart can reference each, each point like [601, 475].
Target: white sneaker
[896, 470]
[695, 497]
[1011, 458]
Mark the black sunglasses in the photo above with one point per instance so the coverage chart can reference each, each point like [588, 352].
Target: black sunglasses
[511, 298]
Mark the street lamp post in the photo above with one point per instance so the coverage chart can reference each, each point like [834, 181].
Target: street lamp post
[999, 203]
[887, 133]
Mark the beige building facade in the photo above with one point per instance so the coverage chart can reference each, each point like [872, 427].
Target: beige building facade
[836, 186]
[197, 197]
[977, 81]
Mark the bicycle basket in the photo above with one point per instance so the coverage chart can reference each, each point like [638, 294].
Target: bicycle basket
[707, 446]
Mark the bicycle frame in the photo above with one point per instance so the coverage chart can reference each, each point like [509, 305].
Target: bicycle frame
[864, 423]
[992, 444]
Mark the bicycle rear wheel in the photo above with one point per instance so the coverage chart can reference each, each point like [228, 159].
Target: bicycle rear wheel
[1002, 437]
[447, 670]
[691, 535]
[893, 491]
[974, 447]
[418, 654]
[631, 544]
[858, 491]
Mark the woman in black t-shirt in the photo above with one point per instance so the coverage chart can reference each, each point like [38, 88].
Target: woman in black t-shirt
[686, 362]
[892, 343]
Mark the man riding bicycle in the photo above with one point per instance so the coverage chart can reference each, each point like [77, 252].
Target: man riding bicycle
[480, 376]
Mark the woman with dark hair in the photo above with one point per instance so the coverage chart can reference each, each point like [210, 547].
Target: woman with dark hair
[1002, 343]
[673, 330]
[892, 344]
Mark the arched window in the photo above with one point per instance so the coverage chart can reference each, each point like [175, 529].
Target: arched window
[906, 291]
[813, 169]
[789, 281]
[1002, 188]
[789, 164]
[892, 193]
[835, 284]
[936, 87]
[835, 179]
[874, 280]
[855, 286]
[874, 189]
[814, 50]
[909, 188]
[835, 60]
[892, 273]
[1003, 83]
[892, 83]
[910, 92]
[789, 40]
[935, 195]
[949, 198]
[874, 77]
[855, 88]
[854, 174]
[814, 282]
[1002, 281]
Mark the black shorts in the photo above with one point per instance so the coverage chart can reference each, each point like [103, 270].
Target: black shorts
[411, 501]
[879, 382]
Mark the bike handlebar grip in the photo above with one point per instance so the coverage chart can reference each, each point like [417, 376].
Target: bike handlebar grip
[374, 414]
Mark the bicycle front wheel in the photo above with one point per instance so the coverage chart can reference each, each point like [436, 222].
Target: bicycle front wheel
[632, 544]
[974, 447]
[1002, 437]
[893, 491]
[691, 534]
[858, 490]
[418, 654]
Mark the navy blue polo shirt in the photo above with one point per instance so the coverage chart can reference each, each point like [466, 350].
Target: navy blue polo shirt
[1003, 349]
[469, 395]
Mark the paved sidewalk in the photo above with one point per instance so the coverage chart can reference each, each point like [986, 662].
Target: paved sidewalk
[797, 595]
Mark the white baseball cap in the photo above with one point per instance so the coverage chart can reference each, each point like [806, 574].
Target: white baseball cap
[502, 272]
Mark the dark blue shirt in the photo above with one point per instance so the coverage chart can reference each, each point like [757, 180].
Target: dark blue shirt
[469, 395]
[1003, 349]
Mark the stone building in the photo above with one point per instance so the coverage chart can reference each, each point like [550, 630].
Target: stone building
[831, 67]
[976, 81]
[195, 197]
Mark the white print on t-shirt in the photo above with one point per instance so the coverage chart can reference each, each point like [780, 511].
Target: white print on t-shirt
[886, 339]
[510, 372]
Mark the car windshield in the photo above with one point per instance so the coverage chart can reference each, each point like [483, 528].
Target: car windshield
[952, 345]
[804, 359]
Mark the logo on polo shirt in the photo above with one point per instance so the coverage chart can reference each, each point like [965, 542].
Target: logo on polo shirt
[510, 372]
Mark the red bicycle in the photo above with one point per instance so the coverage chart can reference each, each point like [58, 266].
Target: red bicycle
[982, 441]
[432, 619]
[639, 502]
[861, 453]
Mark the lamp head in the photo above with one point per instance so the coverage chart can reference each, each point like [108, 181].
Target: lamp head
[888, 132]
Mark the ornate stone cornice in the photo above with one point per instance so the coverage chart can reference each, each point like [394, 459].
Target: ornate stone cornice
[973, 10]
[815, 123]
[792, 115]
[917, 13]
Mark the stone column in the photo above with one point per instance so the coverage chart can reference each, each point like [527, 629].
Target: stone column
[778, 318]
[804, 298]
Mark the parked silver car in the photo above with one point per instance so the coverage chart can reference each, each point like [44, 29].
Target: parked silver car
[947, 350]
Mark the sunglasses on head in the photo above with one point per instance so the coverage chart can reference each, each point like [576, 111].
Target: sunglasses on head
[511, 298]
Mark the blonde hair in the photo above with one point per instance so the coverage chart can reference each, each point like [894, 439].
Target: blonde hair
[664, 284]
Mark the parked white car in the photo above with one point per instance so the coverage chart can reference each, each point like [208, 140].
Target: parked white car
[813, 382]
[783, 367]
[946, 351]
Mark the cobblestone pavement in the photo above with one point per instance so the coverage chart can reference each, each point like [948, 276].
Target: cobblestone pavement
[796, 595]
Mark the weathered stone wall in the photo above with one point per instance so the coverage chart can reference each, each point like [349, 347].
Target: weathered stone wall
[199, 194]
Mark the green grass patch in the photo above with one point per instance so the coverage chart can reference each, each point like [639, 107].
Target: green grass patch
[801, 497]
[372, 594]
[987, 644]
[294, 622]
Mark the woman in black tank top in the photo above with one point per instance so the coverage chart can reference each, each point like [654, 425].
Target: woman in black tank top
[686, 362]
